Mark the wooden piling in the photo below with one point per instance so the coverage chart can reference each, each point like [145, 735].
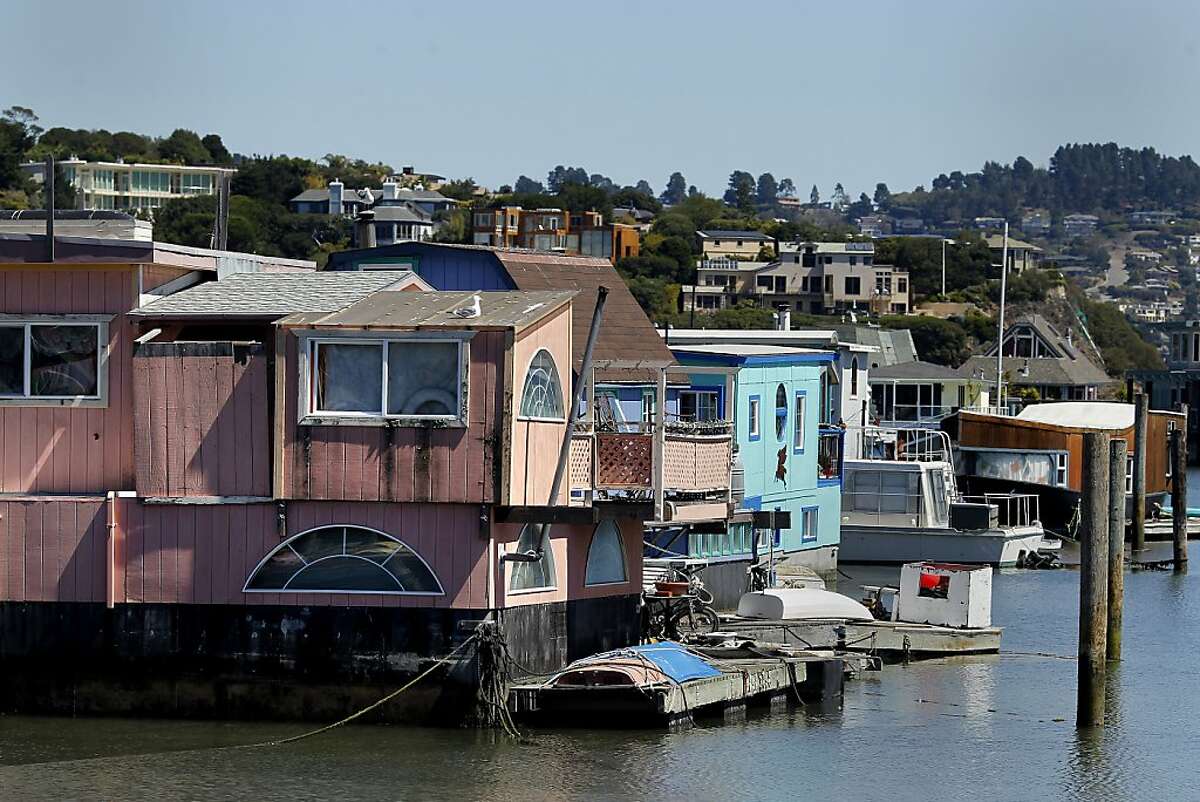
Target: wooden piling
[1118, 457]
[1179, 518]
[1093, 581]
[1141, 414]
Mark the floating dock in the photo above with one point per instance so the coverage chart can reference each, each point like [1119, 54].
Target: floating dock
[892, 641]
[725, 693]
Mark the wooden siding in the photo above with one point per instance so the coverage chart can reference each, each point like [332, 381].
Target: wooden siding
[535, 445]
[202, 418]
[72, 449]
[53, 549]
[1019, 435]
[204, 553]
[570, 543]
[401, 463]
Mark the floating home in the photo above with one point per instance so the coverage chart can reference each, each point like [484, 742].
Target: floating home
[1040, 451]
[263, 490]
[790, 452]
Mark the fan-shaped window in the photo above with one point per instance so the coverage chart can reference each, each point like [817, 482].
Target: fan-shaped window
[343, 559]
[542, 395]
[606, 557]
[781, 412]
[536, 572]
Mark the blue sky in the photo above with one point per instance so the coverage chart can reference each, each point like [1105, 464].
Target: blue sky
[891, 90]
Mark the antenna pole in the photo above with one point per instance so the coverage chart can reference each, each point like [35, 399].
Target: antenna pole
[1000, 324]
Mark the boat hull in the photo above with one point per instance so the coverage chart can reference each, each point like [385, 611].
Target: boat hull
[882, 545]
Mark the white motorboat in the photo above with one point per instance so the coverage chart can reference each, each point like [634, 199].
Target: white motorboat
[902, 505]
[800, 604]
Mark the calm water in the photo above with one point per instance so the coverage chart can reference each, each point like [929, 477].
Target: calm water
[990, 728]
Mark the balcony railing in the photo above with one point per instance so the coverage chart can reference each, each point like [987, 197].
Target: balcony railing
[829, 453]
[696, 460]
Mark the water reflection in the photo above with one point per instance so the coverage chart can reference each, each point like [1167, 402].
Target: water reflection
[987, 728]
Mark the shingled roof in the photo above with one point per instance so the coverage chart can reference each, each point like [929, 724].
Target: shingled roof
[628, 347]
[273, 295]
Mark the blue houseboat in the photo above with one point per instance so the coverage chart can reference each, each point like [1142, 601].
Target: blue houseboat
[787, 445]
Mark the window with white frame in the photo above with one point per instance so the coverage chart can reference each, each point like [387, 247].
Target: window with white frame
[1060, 469]
[798, 422]
[47, 359]
[542, 396]
[754, 431]
[808, 525]
[400, 378]
[699, 406]
[1129, 474]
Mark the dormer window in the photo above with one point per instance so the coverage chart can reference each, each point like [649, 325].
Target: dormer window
[411, 380]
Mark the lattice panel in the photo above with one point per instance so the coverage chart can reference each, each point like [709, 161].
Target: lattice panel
[580, 467]
[624, 460]
[696, 463]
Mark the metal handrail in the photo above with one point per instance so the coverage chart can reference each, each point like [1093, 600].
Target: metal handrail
[1014, 509]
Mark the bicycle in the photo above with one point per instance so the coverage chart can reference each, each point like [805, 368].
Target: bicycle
[682, 616]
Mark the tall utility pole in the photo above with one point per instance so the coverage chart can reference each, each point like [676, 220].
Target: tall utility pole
[1000, 325]
[944, 241]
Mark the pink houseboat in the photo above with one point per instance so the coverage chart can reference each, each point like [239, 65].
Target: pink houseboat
[233, 486]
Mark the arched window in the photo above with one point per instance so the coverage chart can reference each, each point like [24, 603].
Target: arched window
[606, 557]
[854, 377]
[534, 574]
[542, 396]
[343, 559]
[781, 412]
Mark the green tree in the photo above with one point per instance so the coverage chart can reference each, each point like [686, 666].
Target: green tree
[740, 193]
[18, 132]
[701, 210]
[767, 190]
[527, 186]
[676, 189]
[217, 151]
[942, 342]
[462, 189]
[272, 179]
[883, 197]
[814, 197]
[184, 147]
[787, 188]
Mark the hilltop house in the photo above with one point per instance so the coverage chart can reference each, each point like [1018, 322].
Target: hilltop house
[1021, 255]
[338, 200]
[734, 244]
[129, 186]
[1041, 362]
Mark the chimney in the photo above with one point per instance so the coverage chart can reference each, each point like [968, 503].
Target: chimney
[336, 190]
[391, 190]
[364, 229]
[783, 319]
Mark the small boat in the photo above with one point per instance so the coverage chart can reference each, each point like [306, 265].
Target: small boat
[901, 505]
[801, 604]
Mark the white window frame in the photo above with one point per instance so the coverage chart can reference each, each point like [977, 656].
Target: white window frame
[798, 444]
[696, 394]
[1062, 465]
[755, 409]
[100, 399]
[310, 416]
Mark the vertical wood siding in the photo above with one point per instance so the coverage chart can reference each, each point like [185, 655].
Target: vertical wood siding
[204, 553]
[53, 550]
[536, 444]
[72, 449]
[201, 419]
[373, 463]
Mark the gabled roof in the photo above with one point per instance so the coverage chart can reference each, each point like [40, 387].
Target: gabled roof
[392, 212]
[627, 339]
[397, 309]
[274, 295]
[996, 242]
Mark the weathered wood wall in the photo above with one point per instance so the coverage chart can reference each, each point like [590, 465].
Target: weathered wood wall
[72, 449]
[53, 549]
[383, 463]
[202, 419]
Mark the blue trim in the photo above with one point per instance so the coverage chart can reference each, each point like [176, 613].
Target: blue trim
[753, 417]
[829, 482]
[800, 420]
[779, 359]
[816, 533]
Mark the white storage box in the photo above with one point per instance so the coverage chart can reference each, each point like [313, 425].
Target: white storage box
[946, 594]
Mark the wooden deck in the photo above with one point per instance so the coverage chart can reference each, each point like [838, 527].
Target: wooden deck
[742, 683]
[893, 641]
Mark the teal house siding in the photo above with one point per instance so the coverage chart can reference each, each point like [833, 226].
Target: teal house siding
[779, 448]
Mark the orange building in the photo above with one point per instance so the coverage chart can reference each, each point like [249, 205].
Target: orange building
[555, 230]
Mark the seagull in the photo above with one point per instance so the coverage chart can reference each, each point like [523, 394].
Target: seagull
[469, 311]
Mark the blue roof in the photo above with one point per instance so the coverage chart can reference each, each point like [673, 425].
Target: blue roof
[742, 355]
[672, 659]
